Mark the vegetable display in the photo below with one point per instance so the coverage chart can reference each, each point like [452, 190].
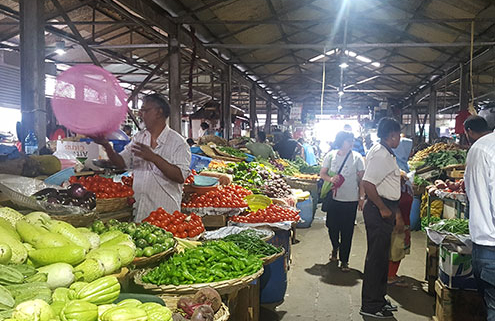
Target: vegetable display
[212, 262]
[230, 196]
[147, 238]
[304, 167]
[75, 195]
[271, 214]
[190, 178]
[285, 166]
[444, 158]
[455, 226]
[103, 187]
[179, 224]
[251, 242]
[231, 151]
[424, 153]
[277, 188]
[432, 220]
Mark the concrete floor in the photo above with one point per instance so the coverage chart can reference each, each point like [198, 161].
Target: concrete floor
[318, 290]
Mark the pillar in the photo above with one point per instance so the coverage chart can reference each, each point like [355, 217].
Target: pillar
[432, 109]
[174, 93]
[280, 115]
[414, 119]
[32, 47]
[463, 87]
[252, 112]
[268, 122]
[226, 102]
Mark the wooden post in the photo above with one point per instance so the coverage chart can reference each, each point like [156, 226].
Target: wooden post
[432, 109]
[32, 46]
[463, 87]
[252, 112]
[226, 101]
[268, 122]
[174, 93]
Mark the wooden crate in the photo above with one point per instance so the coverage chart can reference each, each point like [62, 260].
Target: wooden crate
[431, 273]
[244, 305]
[458, 305]
[214, 221]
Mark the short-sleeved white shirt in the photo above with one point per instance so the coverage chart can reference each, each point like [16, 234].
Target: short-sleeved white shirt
[152, 189]
[349, 191]
[383, 172]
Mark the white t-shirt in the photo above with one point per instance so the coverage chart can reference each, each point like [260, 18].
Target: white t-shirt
[479, 179]
[349, 191]
[383, 172]
[153, 189]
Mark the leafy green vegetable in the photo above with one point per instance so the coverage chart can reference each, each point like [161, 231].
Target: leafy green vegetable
[433, 220]
[445, 158]
[251, 242]
[232, 151]
[456, 226]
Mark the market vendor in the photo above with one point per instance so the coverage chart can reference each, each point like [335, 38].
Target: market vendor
[261, 148]
[159, 158]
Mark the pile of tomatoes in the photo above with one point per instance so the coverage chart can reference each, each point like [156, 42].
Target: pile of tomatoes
[271, 214]
[190, 178]
[103, 187]
[230, 196]
[179, 224]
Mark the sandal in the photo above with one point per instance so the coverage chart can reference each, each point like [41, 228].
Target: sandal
[398, 282]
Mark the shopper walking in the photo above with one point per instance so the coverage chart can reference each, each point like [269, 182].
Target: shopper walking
[342, 196]
[381, 183]
[480, 189]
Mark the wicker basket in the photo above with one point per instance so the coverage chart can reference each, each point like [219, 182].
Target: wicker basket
[143, 262]
[222, 314]
[270, 259]
[104, 205]
[77, 220]
[223, 287]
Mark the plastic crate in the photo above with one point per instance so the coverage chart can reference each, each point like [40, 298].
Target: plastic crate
[199, 163]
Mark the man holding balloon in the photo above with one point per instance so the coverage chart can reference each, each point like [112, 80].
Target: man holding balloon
[159, 158]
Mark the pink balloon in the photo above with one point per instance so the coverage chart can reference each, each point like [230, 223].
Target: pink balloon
[88, 100]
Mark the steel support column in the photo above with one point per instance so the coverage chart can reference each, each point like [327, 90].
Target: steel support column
[252, 112]
[268, 122]
[32, 36]
[174, 93]
[463, 87]
[280, 116]
[432, 109]
[226, 100]
[414, 118]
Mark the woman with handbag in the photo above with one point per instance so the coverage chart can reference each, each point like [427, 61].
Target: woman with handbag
[342, 171]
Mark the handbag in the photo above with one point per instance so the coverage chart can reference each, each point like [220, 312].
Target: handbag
[325, 206]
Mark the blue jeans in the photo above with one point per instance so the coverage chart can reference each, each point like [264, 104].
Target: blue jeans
[484, 272]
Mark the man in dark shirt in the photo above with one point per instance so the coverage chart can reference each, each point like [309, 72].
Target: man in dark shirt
[287, 146]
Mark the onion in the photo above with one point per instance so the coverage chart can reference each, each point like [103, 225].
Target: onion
[203, 313]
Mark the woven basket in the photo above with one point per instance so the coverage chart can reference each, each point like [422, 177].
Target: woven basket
[270, 259]
[144, 262]
[223, 287]
[122, 276]
[77, 220]
[104, 205]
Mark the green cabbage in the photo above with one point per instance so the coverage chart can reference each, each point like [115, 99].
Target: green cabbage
[35, 310]
[93, 238]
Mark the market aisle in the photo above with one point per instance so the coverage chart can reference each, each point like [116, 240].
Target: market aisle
[318, 290]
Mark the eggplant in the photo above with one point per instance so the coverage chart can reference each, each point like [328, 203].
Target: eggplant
[45, 192]
[76, 191]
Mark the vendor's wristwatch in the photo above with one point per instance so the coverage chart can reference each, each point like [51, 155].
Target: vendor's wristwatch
[362, 198]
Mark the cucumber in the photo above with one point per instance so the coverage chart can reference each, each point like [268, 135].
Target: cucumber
[6, 228]
[65, 254]
[19, 252]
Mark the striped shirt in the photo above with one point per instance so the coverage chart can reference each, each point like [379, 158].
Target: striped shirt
[151, 188]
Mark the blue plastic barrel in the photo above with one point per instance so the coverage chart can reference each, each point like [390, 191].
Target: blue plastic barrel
[306, 208]
[414, 216]
[282, 239]
[273, 282]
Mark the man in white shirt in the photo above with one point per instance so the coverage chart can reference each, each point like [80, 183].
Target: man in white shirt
[479, 179]
[381, 183]
[159, 158]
